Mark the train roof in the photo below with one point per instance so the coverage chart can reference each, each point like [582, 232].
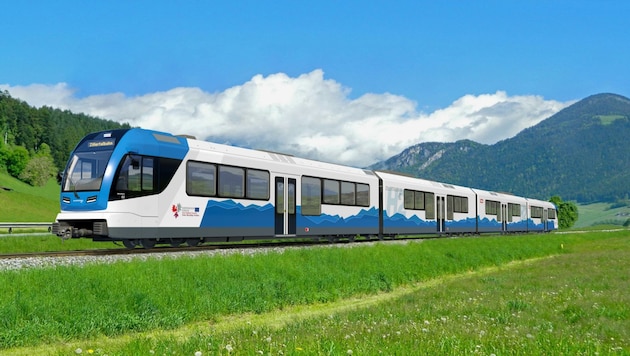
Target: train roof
[273, 157]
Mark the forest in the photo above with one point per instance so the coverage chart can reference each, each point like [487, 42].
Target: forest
[35, 142]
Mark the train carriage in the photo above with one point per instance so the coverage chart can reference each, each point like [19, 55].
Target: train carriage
[541, 216]
[501, 212]
[418, 206]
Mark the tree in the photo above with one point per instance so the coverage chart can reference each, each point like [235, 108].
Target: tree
[38, 171]
[567, 212]
[17, 160]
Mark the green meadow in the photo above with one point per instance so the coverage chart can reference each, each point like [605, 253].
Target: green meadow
[501, 295]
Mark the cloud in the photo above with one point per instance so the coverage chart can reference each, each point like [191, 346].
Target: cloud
[307, 116]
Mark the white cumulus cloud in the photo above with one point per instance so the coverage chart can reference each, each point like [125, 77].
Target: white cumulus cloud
[307, 116]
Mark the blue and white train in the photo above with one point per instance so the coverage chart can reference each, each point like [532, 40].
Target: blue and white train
[145, 187]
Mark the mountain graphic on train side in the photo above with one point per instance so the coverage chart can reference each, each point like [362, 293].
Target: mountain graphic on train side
[229, 213]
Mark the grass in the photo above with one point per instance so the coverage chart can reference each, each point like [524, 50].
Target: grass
[601, 214]
[25, 203]
[448, 296]
[47, 242]
[609, 119]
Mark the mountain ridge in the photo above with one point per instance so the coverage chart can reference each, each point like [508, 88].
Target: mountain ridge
[579, 153]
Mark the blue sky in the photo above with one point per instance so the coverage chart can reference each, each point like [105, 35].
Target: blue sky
[405, 63]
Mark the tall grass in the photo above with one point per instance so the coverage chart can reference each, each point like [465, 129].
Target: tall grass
[71, 303]
[572, 304]
[78, 302]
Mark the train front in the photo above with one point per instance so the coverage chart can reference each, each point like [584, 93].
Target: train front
[112, 183]
[85, 185]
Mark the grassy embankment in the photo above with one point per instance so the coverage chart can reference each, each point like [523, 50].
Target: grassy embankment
[24, 203]
[542, 294]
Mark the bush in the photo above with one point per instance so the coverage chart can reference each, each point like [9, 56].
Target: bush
[38, 171]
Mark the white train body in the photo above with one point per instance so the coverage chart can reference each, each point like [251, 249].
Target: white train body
[140, 185]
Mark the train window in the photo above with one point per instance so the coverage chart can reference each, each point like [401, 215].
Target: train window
[147, 174]
[552, 214]
[142, 175]
[231, 182]
[311, 196]
[492, 207]
[429, 205]
[536, 212]
[449, 207]
[201, 179]
[460, 204]
[331, 191]
[131, 172]
[363, 194]
[291, 197]
[279, 196]
[514, 209]
[257, 184]
[409, 199]
[347, 193]
[419, 200]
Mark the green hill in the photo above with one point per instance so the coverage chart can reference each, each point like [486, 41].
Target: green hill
[20, 202]
[581, 153]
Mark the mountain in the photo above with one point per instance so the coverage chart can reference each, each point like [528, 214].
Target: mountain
[581, 153]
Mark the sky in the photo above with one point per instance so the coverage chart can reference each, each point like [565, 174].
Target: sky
[350, 82]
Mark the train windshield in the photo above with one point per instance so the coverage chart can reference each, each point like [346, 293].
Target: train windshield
[85, 171]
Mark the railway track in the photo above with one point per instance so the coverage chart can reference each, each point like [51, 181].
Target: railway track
[158, 250]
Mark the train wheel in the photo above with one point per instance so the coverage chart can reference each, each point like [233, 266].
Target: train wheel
[147, 243]
[130, 243]
[193, 242]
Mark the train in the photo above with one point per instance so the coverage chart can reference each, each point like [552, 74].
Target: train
[144, 187]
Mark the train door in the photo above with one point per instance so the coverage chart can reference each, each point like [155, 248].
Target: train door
[503, 217]
[441, 213]
[285, 206]
[545, 219]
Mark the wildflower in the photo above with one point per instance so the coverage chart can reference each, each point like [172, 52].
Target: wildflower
[268, 339]
[78, 351]
[298, 349]
[198, 353]
[349, 352]
[229, 348]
